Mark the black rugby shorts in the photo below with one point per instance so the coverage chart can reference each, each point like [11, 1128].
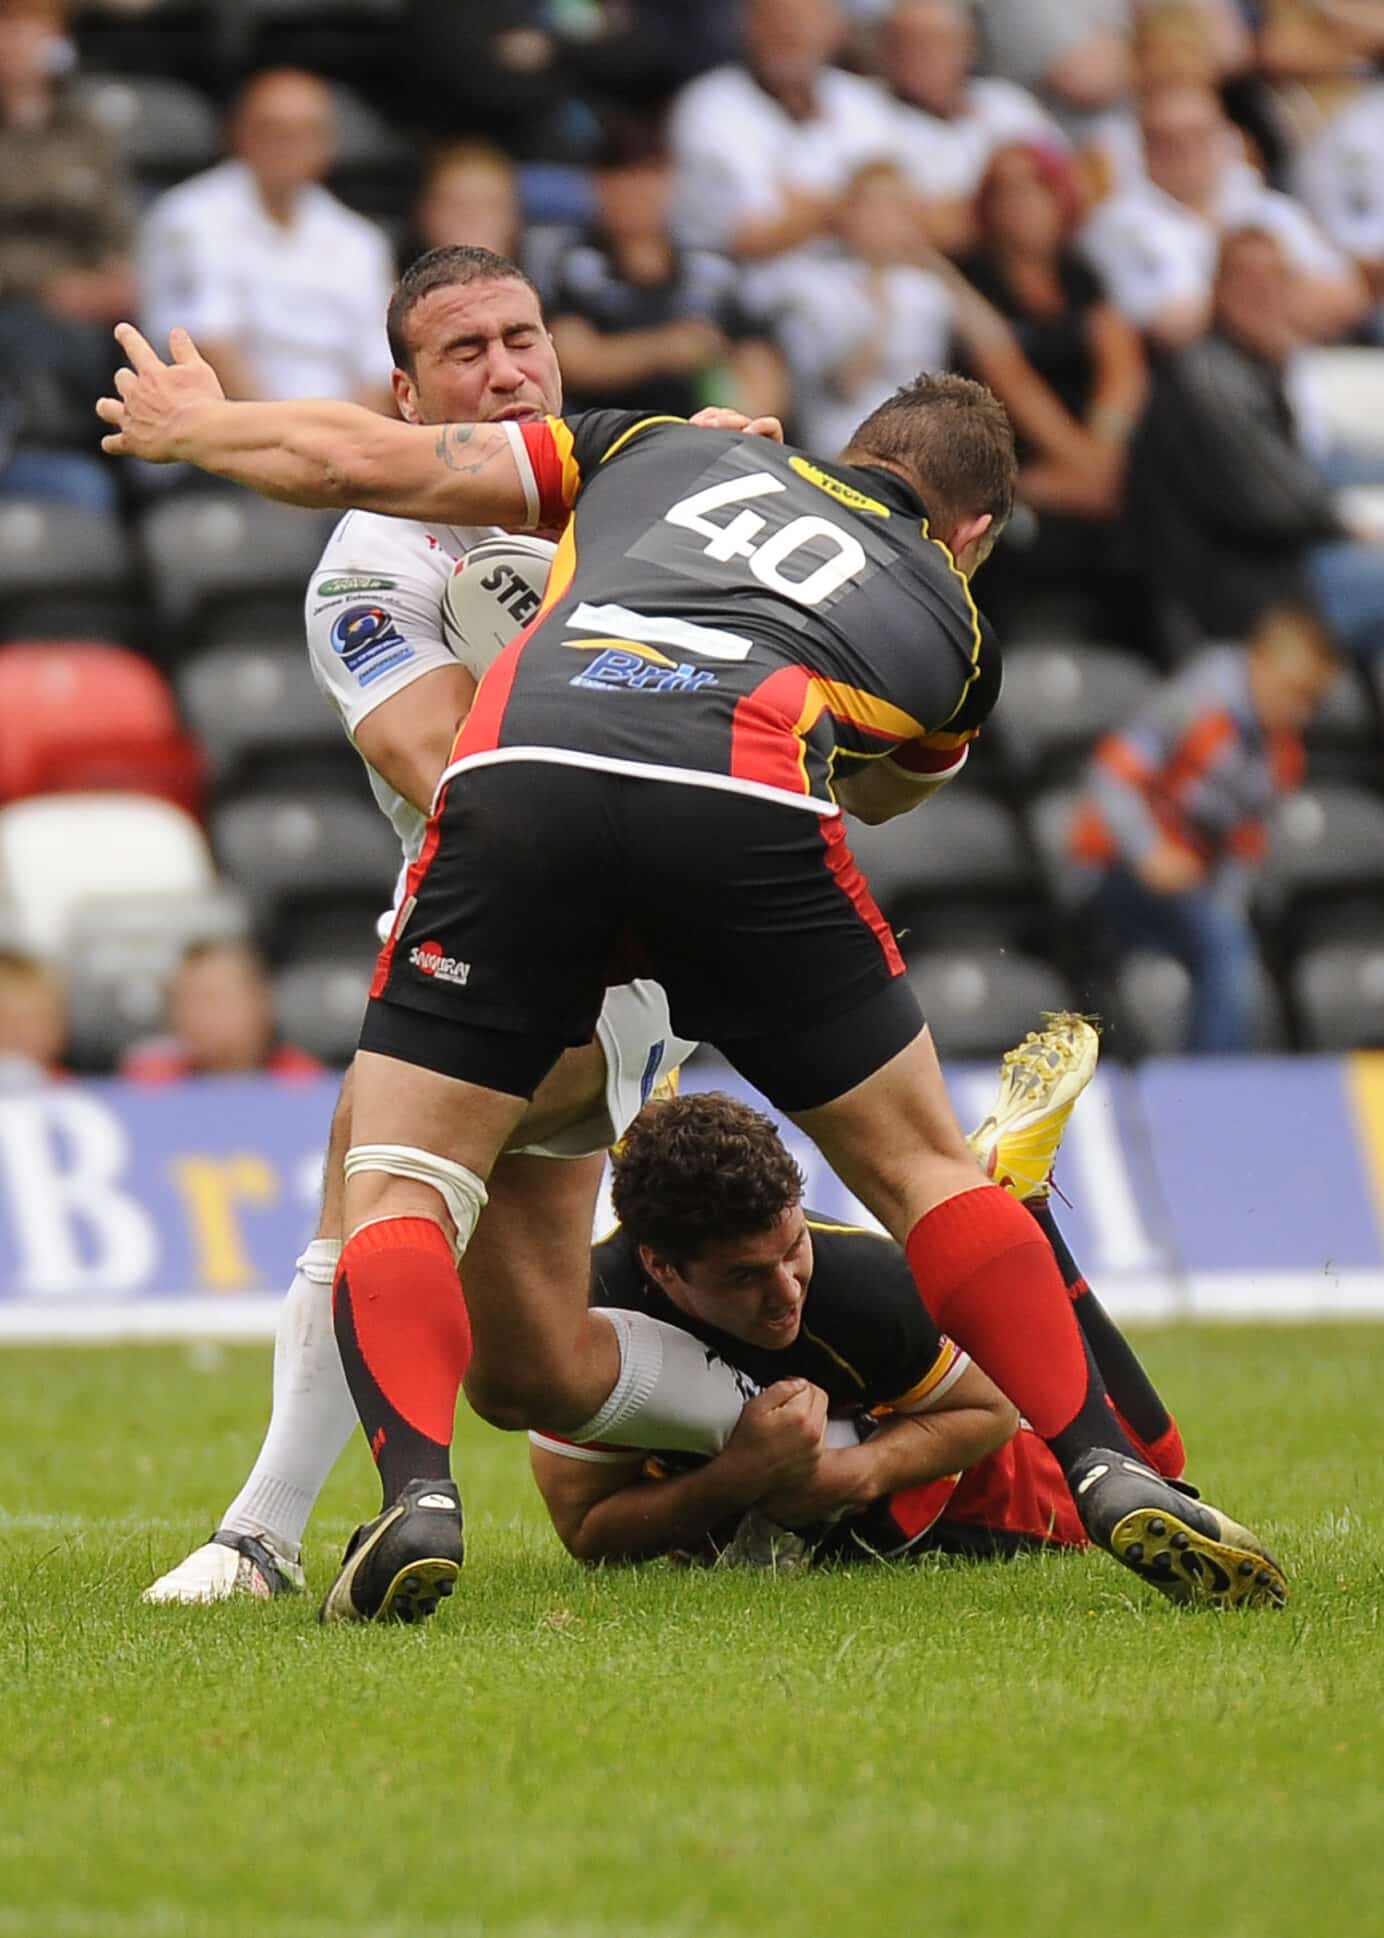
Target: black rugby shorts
[540, 884]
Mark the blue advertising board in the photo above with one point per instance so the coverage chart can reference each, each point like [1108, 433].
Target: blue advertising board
[1251, 1188]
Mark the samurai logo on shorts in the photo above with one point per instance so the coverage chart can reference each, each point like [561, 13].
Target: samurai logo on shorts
[429, 961]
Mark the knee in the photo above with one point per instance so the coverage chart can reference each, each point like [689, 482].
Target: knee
[517, 1400]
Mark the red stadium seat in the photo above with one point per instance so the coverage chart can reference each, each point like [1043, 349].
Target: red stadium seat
[77, 717]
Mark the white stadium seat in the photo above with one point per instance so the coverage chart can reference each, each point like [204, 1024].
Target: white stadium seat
[62, 850]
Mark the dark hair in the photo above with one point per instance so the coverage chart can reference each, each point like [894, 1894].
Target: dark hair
[207, 948]
[696, 1170]
[457, 263]
[954, 437]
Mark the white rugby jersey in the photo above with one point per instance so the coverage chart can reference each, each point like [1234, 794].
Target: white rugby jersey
[374, 626]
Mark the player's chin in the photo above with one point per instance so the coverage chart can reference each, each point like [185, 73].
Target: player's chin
[777, 1335]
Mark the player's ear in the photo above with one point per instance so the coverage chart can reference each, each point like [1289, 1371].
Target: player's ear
[405, 395]
[659, 1268]
[968, 533]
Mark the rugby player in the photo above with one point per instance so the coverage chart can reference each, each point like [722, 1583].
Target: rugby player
[653, 766]
[924, 1454]
[469, 341]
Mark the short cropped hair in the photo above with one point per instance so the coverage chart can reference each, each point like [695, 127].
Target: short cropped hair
[954, 437]
[457, 263]
[699, 1170]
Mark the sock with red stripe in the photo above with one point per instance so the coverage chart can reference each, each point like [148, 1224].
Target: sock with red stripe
[405, 1342]
[1133, 1393]
[988, 1277]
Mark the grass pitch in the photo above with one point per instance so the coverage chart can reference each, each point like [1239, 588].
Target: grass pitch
[1042, 1750]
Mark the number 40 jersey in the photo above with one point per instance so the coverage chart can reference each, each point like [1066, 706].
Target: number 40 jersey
[728, 612]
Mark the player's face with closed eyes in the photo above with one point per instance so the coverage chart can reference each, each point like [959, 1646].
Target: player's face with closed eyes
[481, 354]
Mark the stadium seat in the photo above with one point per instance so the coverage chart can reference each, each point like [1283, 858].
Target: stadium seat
[375, 167]
[65, 573]
[1059, 700]
[964, 856]
[1049, 820]
[1326, 842]
[980, 1003]
[119, 955]
[304, 849]
[319, 1002]
[65, 849]
[250, 700]
[76, 717]
[1347, 387]
[230, 552]
[1151, 1001]
[1343, 742]
[163, 128]
[1338, 992]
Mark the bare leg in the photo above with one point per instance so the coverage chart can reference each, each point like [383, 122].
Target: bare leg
[983, 1267]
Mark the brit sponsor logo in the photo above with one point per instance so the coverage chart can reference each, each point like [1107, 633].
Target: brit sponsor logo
[429, 961]
[369, 643]
[641, 673]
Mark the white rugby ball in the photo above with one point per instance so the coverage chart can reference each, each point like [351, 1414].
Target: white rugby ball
[495, 590]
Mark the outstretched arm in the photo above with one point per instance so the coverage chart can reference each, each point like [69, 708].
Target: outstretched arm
[310, 453]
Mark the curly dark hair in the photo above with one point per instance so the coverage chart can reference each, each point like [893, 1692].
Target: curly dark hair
[699, 1169]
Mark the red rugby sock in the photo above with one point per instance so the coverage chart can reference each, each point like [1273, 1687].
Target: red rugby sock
[988, 1277]
[405, 1342]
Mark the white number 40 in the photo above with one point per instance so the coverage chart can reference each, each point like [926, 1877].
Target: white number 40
[739, 539]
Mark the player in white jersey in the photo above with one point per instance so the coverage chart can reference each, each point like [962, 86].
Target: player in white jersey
[470, 343]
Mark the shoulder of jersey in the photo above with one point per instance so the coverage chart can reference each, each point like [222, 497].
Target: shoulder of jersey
[495, 589]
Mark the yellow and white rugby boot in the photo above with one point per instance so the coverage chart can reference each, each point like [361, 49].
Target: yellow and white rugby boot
[1040, 1081]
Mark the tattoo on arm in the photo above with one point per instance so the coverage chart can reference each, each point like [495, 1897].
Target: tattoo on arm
[452, 445]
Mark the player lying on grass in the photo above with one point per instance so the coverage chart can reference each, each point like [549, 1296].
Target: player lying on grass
[656, 763]
[470, 341]
[920, 1452]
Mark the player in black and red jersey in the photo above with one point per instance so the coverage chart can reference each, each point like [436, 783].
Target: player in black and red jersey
[740, 640]
[921, 1452]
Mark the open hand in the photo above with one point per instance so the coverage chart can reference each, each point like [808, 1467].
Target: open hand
[151, 409]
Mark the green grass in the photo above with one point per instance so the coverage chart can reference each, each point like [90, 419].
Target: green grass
[1004, 1752]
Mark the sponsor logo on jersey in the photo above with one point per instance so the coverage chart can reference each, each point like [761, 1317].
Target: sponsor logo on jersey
[353, 582]
[429, 961]
[369, 643]
[642, 669]
[844, 494]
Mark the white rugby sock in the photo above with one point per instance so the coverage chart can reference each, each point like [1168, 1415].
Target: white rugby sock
[671, 1392]
[313, 1413]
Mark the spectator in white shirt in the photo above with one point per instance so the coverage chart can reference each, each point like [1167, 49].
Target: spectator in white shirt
[949, 122]
[762, 152]
[281, 284]
[1341, 179]
[1155, 245]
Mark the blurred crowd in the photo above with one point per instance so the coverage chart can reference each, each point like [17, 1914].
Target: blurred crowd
[1154, 227]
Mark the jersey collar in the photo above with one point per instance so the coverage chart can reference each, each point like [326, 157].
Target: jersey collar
[895, 491]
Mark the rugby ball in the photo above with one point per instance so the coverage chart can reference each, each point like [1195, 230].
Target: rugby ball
[495, 590]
